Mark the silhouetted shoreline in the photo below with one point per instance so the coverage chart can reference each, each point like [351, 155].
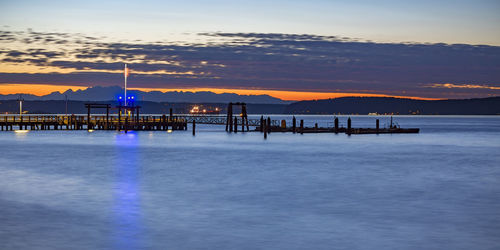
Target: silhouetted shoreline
[344, 105]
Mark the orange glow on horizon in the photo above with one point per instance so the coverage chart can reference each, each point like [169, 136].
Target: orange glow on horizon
[44, 89]
[35, 89]
[283, 94]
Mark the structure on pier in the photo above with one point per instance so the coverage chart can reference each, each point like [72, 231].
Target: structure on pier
[230, 120]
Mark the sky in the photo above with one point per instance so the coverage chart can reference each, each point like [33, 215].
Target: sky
[293, 50]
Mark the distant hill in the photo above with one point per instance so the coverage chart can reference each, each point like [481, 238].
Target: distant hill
[111, 93]
[388, 105]
[344, 105]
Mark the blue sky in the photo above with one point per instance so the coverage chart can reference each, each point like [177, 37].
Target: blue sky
[425, 49]
[459, 21]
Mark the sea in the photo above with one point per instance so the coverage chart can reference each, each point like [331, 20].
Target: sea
[438, 189]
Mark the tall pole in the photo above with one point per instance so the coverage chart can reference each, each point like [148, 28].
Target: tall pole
[126, 74]
[66, 104]
[20, 105]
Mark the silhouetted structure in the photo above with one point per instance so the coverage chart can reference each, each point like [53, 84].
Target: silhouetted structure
[230, 118]
[91, 106]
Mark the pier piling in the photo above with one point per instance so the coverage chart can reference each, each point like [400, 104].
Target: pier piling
[264, 128]
[336, 125]
[236, 124]
[194, 127]
[349, 126]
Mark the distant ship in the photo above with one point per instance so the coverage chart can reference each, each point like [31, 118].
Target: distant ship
[196, 110]
[373, 113]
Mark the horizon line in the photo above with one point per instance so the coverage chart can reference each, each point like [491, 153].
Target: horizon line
[284, 95]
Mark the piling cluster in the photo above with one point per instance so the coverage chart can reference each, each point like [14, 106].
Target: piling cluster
[266, 128]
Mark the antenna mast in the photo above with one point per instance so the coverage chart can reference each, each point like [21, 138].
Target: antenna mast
[21, 105]
[126, 74]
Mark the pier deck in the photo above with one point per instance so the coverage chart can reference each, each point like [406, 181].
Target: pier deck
[96, 122]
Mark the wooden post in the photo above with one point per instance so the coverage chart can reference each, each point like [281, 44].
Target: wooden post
[349, 126]
[294, 126]
[236, 124]
[194, 127]
[316, 126]
[244, 117]
[264, 129]
[301, 127]
[171, 114]
[246, 122]
[164, 122]
[229, 119]
[336, 125]
[378, 125]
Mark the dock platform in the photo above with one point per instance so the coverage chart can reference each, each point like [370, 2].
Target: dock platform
[93, 122]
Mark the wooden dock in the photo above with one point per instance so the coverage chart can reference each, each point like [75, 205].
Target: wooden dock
[90, 122]
[267, 127]
[179, 122]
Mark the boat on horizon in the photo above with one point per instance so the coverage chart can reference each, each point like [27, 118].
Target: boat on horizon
[196, 110]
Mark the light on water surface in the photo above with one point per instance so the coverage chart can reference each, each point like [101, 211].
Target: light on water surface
[126, 192]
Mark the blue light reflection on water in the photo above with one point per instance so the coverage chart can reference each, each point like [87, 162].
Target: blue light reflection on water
[126, 194]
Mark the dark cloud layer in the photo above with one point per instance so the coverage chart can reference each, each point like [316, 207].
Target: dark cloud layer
[261, 61]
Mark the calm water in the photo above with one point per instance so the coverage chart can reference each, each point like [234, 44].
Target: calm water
[439, 189]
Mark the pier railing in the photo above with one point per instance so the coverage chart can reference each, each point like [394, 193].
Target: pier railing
[64, 119]
[221, 120]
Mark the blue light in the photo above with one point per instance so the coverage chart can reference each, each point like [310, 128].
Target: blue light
[126, 208]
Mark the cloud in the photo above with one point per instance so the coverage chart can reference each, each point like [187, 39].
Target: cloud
[462, 86]
[297, 62]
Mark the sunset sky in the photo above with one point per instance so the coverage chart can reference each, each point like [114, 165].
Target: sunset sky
[292, 50]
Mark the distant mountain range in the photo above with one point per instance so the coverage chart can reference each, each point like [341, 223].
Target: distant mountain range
[111, 93]
[344, 105]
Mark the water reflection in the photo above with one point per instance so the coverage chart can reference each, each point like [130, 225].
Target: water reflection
[127, 214]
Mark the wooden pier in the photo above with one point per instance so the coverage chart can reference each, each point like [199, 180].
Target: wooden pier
[91, 122]
[180, 122]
